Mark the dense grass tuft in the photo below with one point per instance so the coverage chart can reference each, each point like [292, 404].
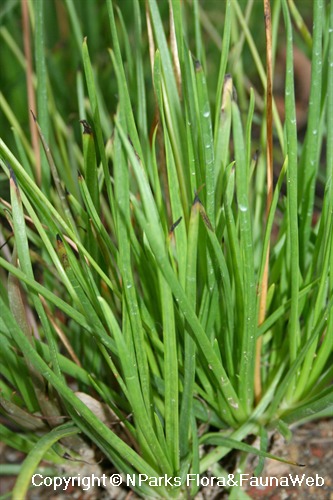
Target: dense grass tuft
[161, 297]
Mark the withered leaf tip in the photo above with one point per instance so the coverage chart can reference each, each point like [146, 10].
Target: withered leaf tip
[198, 66]
[174, 225]
[196, 199]
[86, 127]
[13, 176]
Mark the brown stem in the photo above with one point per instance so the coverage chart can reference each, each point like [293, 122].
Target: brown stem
[269, 152]
[30, 87]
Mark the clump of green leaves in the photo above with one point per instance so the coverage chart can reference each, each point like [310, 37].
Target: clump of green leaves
[135, 252]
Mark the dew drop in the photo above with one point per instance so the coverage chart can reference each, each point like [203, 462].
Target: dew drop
[242, 208]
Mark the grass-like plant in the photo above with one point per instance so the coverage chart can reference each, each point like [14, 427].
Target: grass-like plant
[161, 299]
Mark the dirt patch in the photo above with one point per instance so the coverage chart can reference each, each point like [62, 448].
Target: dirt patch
[311, 445]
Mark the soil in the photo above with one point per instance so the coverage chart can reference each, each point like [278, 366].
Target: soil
[311, 445]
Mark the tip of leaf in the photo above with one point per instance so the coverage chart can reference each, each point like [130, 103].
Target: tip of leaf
[13, 176]
[86, 127]
[196, 195]
[198, 66]
[174, 225]
[33, 115]
[131, 143]
[256, 155]
[59, 240]
[196, 199]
